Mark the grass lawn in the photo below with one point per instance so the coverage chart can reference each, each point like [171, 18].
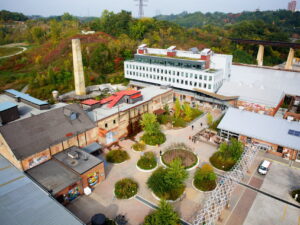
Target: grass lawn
[9, 51]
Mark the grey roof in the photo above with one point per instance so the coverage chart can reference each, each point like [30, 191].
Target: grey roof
[80, 164]
[92, 147]
[26, 110]
[53, 176]
[260, 94]
[6, 105]
[24, 202]
[35, 134]
[26, 97]
[286, 81]
[262, 127]
[148, 93]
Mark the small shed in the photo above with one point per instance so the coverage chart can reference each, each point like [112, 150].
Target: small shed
[8, 112]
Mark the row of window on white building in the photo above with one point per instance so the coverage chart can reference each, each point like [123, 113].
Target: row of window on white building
[165, 71]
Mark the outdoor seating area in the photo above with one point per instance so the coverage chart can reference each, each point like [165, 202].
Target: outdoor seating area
[208, 136]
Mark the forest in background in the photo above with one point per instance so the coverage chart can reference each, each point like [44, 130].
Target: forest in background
[47, 64]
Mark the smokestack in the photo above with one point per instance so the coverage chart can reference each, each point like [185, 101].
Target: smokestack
[78, 68]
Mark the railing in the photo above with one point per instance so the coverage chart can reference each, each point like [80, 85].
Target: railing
[220, 197]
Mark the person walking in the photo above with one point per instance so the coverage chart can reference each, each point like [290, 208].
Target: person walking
[192, 127]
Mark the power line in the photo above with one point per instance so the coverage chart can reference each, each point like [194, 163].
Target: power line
[141, 6]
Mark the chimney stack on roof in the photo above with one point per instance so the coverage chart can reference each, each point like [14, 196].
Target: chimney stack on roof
[78, 68]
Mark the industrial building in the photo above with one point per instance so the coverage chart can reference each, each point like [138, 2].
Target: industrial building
[184, 70]
[24, 202]
[118, 115]
[31, 141]
[259, 89]
[15, 106]
[275, 135]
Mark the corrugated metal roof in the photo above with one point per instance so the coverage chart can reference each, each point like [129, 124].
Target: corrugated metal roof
[286, 81]
[90, 102]
[253, 93]
[6, 105]
[24, 202]
[262, 127]
[26, 97]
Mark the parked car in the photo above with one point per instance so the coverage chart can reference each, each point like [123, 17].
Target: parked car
[264, 167]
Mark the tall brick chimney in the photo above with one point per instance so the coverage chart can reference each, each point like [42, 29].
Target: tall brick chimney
[78, 68]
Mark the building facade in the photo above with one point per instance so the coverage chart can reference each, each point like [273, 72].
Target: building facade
[118, 117]
[185, 70]
[274, 135]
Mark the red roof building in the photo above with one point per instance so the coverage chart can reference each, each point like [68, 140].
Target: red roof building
[129, 96]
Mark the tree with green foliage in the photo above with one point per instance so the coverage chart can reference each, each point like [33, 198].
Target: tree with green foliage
[205, 178]
[151, 127]
[150, 124]
[163, 215]
[227, 155]
[209, 119]
[168, 182]
[188, 112]
[175, 174]
[177, 108]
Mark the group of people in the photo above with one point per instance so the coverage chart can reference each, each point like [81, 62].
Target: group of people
[193, 139]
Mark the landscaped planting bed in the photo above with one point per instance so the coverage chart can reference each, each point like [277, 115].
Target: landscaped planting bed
[147, 161]
[161, 185]
[220, 163]
[139, 146]
[117, 156]
[153, 140]
[181, 151]
[205, 178]
[126, 188]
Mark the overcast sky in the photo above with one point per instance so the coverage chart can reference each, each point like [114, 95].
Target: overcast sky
[95, 7]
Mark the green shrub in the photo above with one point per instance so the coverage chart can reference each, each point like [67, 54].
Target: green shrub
[139, 146]
[179, 122]
[215, 124]
[164, 119]
[117, 156]
[147, 161]
[109, 222]
[219, 162]
[163, 215]
[126, 188]
[154, 139]
[205, 178]
[293, 193]
[195, 113]
[168, 183]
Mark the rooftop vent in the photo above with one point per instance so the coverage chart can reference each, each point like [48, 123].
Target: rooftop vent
[72, 115]
[73, 155]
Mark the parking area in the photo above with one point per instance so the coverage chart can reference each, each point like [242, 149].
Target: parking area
[279, 181]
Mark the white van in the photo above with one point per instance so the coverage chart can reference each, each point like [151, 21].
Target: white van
[264, 167]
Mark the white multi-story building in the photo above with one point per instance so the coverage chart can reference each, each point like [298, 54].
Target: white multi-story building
[186, 70]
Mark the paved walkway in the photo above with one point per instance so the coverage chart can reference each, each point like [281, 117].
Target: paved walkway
[102, 200]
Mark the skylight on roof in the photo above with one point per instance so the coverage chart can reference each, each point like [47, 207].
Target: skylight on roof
[294, 133]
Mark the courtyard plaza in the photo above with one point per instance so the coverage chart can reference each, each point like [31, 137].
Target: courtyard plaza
[244, 206]
[102, 199]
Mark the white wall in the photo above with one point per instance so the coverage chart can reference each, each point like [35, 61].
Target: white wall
[223, 62]
[149, 75]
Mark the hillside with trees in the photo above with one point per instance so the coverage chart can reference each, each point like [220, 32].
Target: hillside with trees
[47, 64]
